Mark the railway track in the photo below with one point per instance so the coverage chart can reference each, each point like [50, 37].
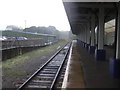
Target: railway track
[51, 74]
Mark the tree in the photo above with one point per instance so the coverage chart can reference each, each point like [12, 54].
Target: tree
[44, 30]
[13, 27]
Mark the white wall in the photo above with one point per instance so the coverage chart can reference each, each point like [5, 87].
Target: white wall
[109, 38]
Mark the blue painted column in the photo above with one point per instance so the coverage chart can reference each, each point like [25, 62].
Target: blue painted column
[100, 53]
[92, 45]
[80, 37]
[84, 37]
[114, 63]
[87, 36]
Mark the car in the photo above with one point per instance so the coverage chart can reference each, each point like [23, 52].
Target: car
[10, 38]
[3, 38]
[21, 38]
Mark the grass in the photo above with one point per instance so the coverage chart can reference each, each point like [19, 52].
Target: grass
[10, 63]
[14, 72]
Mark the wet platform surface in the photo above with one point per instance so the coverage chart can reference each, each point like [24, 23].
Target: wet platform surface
[84, 71]
[74, 74]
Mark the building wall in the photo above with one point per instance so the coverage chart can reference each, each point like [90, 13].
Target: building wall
[109, 38]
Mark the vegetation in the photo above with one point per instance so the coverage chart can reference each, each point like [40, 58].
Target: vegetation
[35, 32]
[30, 55]
[9, 33]
[13, 27]
[43, 30]
[32, 31]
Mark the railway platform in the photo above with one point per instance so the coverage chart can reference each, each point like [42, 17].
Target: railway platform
[83, 71]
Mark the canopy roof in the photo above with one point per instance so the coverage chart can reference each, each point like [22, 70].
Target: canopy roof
[79, 13]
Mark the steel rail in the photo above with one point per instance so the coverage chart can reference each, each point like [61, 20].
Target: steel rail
[58, 72]
[19, 88]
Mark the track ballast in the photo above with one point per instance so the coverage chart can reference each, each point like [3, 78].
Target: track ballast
[51, 74]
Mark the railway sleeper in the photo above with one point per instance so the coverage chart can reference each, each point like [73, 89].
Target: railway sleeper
[48, 72]
[39, 84]
[51, 66]
[45, 78]
[50, 69]
[35, 86]
[39, 81]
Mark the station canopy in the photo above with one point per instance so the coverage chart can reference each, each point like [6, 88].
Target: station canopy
[79, 13]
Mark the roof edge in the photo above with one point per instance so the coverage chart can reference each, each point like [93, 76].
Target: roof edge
[90, 0]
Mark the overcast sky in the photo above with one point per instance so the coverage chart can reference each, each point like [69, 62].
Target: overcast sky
[35, 12]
